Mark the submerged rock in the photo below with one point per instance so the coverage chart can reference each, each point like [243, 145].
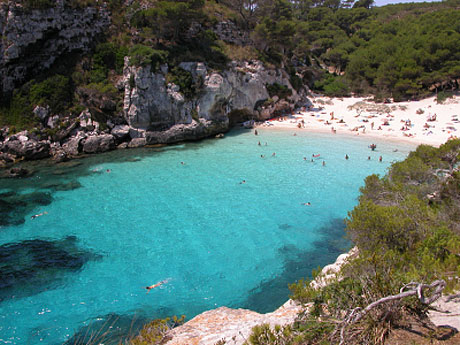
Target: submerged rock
[33, 266]
[14, 206]
[19, 172]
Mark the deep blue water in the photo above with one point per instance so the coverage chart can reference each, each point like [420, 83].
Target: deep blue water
[108, 234]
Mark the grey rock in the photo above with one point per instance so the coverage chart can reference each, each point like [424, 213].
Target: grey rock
[7, 158]
[30, 149]
[73, 146]
[98, 143]
[120, 132]
[51, 33]
[53, 121]
[137, 142]
[162, 112]
[19, 172]
[41, 112]
[64, 133]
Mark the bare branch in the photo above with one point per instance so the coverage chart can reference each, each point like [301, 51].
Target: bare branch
[413, 289]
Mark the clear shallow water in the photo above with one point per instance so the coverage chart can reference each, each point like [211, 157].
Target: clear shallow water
[107, 235]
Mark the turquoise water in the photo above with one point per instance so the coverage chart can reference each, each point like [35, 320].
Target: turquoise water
[108, 234]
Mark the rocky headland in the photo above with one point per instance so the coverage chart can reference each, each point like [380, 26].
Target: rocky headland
[157, 112]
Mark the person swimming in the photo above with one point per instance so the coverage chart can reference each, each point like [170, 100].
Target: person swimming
[38, 215]
[156, 285]
[306, 203]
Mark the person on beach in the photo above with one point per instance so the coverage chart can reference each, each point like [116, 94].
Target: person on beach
[255, 132]
[38, 215]
[155, 285]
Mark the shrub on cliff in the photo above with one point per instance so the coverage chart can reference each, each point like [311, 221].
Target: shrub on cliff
[142, 55]
[55, 92]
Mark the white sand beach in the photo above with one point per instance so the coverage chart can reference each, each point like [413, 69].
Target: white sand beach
[419, 122]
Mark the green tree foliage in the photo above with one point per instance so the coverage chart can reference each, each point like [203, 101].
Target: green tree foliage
[55, 92]
[170, 19]
[142, 55]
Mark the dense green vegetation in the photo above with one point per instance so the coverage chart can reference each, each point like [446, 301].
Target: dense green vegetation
[407, 229]
[336, 47]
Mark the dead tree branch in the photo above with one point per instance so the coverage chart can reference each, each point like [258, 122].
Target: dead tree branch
[413, 289]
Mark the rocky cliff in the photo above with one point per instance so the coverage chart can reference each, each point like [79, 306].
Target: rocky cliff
[32, 40]
[159, 112]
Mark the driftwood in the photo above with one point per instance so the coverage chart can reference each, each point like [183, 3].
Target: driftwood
[413, 289]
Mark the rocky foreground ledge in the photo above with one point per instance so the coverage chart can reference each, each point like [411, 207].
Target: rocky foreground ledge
[235, 325]
[232, 325]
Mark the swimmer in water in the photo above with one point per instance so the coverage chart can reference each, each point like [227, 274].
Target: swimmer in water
[156, 285]
[306, 203]
[38, 215]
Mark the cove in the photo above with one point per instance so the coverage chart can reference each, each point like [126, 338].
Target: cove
[120, 221]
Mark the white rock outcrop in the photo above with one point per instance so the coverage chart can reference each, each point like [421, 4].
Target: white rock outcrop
[159, 111]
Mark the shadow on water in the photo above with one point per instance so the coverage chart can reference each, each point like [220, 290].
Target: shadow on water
[112, 329]
[33, 266]
[14, 206]
[299, 264]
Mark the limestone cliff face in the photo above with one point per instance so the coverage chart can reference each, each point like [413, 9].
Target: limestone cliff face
[159, 112]
[31, 40]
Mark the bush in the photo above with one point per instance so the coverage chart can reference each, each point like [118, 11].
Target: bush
[275, 89]
[18, 113]
[184, 80]
[442, 96]
[54, 92]
[38, 4]
[143, 56]
[332, 86]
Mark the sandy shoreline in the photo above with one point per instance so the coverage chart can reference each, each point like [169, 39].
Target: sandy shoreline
[416, 122]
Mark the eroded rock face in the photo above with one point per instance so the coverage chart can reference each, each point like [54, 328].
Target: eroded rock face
[160, 113]
[32, 40]
[232, 325]
[98, 143]
[23, 147]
